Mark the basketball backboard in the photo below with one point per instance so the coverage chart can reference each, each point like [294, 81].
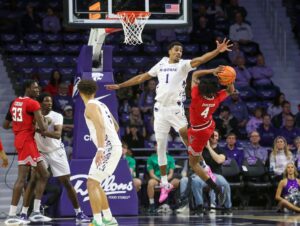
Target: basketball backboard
[102, 13]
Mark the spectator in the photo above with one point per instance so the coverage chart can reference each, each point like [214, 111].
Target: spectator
[3, 156]
[232, 151]
[216, 9]
[226, 123]
[202, 33]
[287, 193]
[154, 173]
[233, 8]
[30, 22]
[275, 107]
[255, 121]
[261, 74]
[135, 119]
[240, 31]
[55, 81]
[289, 131]
[51, 22]
[147, 98]
[254, 150]
[127, 154]
[134, 139]
[267, 132]
[68, 126]
[62, 99]
[243, 75]
[297, 118]
[235, 53]
[278, 120]
[280, 157]
[124, 111]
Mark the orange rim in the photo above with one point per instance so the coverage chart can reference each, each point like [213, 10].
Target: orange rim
[132, 15]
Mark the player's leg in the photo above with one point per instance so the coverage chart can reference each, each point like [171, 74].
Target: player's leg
[179, 122]
[183, 135]
[288, 205]
[150, 193]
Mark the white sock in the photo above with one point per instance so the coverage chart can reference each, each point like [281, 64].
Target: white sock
[164, 180]
[151, 201]
[98, 218]
[107, 214]
[77, 210]
[25, 210]
[37, 205]
[12, 210]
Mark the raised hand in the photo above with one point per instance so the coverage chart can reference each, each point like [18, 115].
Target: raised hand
[112, 87]
[218, 69]
[224, 46]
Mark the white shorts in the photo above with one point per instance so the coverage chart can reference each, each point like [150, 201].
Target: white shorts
[58, 162]
[166, 117]
[112, 155]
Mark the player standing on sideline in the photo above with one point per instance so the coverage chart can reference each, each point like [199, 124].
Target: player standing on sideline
[103, 131]
[3, 156]
[172, 73]
[23, 111]
[53, 153]
[205, 100]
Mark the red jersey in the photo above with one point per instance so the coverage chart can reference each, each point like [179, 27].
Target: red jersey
[202, 109]
[22, 116]
[1, 146]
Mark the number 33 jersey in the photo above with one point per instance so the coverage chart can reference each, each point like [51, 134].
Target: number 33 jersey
[202, 109]
[171, 80]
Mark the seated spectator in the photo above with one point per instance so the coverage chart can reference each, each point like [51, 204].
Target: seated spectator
[30, 22]
[278, 120]
[261, 74]
[232, 151]
[62, 99]
[243, 75]
[124, 111]
[134, 139]
[254, 150]
[267, 132]
[202, 33]
[126, 93]
[235, 53]
[226, 123]
[240, 31]
[296, 152]
[275, 108]
[55, 81]
[51, 22]
[255, 121]
[216, 8]
[232, 8]
[127, 154]
[165, 34]
[135, 119]
[280, 157]
[154, 173]
[289, 131]
[287, 193]
[67, 130]
[297, 117]
[147, 98]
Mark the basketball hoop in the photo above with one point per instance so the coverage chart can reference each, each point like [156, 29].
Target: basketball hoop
[133, 23]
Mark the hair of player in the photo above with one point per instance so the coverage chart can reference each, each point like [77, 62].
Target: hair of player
[27, 84]
[42, 96]
[87, 87]
[171, 45]
[208, 86]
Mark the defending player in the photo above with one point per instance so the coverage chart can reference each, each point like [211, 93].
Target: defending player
[205, 100]
[172, 73]
[103, 131]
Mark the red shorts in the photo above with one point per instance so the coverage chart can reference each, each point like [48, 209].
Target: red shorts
[198, 138]
[28, 154]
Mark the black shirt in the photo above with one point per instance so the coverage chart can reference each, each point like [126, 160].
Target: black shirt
[214, 166]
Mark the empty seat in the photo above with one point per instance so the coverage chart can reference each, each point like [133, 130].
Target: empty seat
[62, 60]
[35, 48]
[54, 48]
[268, 94]
[129, 49]
[41, 60]
[139, 60]
[45, 72]
[27, 70]
[191, 49]
[9, 38]
[15, 48]
[52, 38]
[20, 60]
[33, 37]
[152, 49]
[184, 38]
[75, 37]
[72, 48]
[120, 61]
[252, 105]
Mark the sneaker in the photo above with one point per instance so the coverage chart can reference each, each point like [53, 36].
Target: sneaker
[39, 217]
[221, 196]
[227, 211]
[199, 210]
[82, 218]
[212, 210]
[183, 209]
[113, 221]
[15, 220]
[165, 208]
[152, 209]
[164, 192]
[210, 173]
[94, 223]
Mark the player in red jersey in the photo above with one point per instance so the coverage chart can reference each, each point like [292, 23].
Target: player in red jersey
[206, 98]
[23, 112]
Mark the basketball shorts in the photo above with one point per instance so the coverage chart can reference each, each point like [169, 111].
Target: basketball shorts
[28, 153]
[166, 117]
[198, 138]
[112, 155]
[57, 161]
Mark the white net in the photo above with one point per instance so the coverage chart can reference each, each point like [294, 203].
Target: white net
[133, 23]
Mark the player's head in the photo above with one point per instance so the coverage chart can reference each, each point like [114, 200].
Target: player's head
[31, 88]
[175, 50]
[45, 100]
[208, 86]
[87, 88]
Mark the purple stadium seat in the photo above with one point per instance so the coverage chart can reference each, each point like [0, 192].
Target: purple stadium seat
[9, 38]
[67, 71]
[267, 94]
[41, 60]
[250, 48]
[129, 49]
[191, 49]
[33, 37]
[73, 37]
[152, 49]
[120, 61]
[139, 60]
[27, 70]
[247, 94]
[35, 48]
[72, 48]
[184, 38]
[54, 48]
[204, 48]
[250, 61]
[45, 71]
[53, 4]
[149, 144]
[20, 60]
[131, 71]
[62, 60]
[175, 144]
[52, 38]
[252, 105]
[15, 48]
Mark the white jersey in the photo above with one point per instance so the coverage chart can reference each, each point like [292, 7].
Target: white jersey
[171, 80]
[47, 144]
[111, 135]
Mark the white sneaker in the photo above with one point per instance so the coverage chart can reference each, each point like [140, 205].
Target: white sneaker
[39, 217]
[212, 210]
[183, 209]
[113, 221]
[15, 220]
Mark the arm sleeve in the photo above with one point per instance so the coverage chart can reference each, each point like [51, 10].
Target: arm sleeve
[33, 106]
[195, 92]
[186, 67]
[222, 95]
[154, 70]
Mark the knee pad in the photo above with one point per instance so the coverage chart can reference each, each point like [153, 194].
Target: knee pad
[162, 145]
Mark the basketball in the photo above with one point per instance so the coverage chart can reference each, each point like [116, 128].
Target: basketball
[227, 76]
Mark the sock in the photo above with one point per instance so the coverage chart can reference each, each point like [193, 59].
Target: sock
[202, 163]
[25, 210]
[98, 218]
[77, 210]
[151, 201]
[107, 214]
[37, 205]
[12, 210]
[164, 180]
[212, 185]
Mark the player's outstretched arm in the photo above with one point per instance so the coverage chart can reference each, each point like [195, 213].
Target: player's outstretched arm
[39, 118]
[221, 47]
[199, 73]
[230, 89]
[138, 79]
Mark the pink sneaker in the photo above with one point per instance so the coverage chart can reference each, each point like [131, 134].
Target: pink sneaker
[210, 173]
[164, 192]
